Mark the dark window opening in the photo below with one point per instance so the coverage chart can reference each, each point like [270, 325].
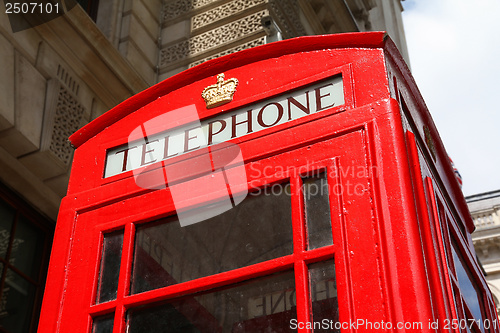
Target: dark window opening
[90, 6]
[25, 240]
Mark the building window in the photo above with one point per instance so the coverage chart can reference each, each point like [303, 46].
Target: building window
[25, 239]
[90, 6]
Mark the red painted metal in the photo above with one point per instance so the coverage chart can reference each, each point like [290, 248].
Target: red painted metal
[386, 171]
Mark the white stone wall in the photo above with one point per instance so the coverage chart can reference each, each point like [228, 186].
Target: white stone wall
[55, 78]
[139, 36]
[386, 16]
[485, 211]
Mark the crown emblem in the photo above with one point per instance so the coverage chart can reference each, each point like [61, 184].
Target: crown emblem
[220, 93]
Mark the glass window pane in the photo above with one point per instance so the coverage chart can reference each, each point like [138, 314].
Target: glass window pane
[261, 305]
[110, 266]
[16, 303]
[324, 295]
[256, 230]
[467, 285]
[317, 208]
[103, 324]
[7, 214]
[27, 248]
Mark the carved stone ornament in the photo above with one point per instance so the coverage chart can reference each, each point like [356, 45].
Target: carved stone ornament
[220, 93]
[247, 45]
[212, 39]
[67, 120]
[173, 9]
[226, 10]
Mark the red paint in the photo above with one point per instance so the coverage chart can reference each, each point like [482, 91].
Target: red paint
[385, 189]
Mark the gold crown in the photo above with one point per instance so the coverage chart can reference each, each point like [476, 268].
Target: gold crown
[220, 93]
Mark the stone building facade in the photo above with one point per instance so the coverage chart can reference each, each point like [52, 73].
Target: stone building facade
[58, 76]
[485, 211]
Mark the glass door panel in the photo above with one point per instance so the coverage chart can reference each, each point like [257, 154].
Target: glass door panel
[260, 305]
[256, 230]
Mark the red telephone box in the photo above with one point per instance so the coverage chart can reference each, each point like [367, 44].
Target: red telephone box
[296, 186]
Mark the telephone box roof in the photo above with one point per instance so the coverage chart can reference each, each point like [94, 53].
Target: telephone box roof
[368, 40]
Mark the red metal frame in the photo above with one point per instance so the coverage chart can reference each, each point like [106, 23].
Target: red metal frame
[388, 244]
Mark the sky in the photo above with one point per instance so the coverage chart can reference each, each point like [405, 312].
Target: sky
[454, 49]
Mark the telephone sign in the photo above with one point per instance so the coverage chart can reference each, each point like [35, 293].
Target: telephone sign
[221, 128]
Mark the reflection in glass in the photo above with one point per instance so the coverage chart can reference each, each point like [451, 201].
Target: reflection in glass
[27, 248]
[17, 303]
[261, 305]
[256, 230]
[324, 294]
[317, 208]
[467, 285]
[6, 219]
[107, 287]
[103, 324]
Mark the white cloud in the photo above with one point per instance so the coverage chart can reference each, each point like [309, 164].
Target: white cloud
[454, 47]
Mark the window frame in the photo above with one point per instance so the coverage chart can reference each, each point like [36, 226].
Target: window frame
[298, 260]
[449, 231]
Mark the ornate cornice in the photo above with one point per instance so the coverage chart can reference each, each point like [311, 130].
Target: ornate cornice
[212, 39]
[486, 246]
[174, 9]
[244, 46]
[288, 18]
[224, 11]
